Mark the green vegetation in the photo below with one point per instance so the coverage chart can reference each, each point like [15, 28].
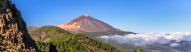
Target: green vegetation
[140, 50]
[64, 41]
[77, 43]
[2, 3]
[52, 32]
[44, 47]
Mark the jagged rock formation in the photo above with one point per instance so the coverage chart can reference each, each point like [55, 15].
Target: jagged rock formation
[86, 23]
[13, 33]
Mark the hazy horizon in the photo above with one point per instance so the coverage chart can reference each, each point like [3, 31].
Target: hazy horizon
[138, 16]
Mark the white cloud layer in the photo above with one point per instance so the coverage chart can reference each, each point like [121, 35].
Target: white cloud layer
[143, 39]
[174, 44]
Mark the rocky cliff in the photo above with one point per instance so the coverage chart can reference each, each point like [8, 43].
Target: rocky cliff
[86, 23]
[13, 33]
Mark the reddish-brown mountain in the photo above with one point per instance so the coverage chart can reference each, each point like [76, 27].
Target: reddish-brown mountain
[86, 23]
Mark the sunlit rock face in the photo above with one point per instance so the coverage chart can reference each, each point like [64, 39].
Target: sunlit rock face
[86, 23]
[13, 33]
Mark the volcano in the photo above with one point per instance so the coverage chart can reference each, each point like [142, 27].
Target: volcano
[87, 23]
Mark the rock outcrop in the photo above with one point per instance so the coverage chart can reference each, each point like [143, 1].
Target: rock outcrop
[86, 23]
[13, 33]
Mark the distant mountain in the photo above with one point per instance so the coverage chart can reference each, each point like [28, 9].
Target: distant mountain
[31, 29]
[86, 23]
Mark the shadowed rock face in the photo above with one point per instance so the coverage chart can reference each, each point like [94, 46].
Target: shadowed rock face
[86, 23]
[13, 33]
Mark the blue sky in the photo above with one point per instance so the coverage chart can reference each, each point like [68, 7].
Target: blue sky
[139, 16]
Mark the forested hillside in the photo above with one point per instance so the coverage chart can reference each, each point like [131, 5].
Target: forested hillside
[63, 41]
[77, 43]
[50, 33]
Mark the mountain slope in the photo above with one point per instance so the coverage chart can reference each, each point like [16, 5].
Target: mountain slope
[31, 29]
[77, 43]
[86, 23]
[50, 33]
[13, 33]
[63, 41]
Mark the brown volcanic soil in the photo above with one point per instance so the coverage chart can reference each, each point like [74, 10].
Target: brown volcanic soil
[86, 23]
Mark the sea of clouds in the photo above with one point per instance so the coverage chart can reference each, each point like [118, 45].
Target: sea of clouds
[143, 39]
